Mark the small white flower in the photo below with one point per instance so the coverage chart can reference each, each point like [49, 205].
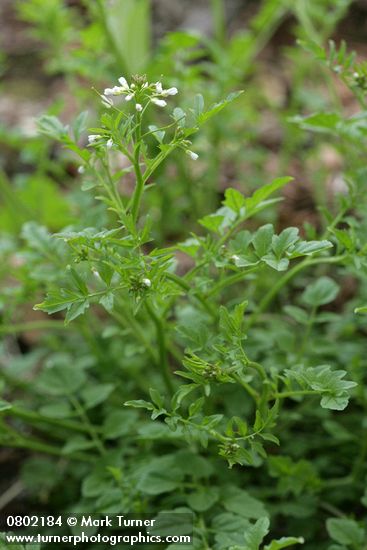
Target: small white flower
[109, 143]
[158, 87]
[116, 90]
[95, 273]
[107, 102]
[235, 258]
[192, 155]
[147, 282]
[139, 107]
[81, 169]
[92, 138]
[145, 85]
[170, 91]
[129, 97]
[159, 102]
[123, 82]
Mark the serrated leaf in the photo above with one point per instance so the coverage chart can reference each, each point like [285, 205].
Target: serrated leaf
[76, 309]
[331, 385]
[334, 403]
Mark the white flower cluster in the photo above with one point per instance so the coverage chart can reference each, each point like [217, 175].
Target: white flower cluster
[140, 92]
[153, 92]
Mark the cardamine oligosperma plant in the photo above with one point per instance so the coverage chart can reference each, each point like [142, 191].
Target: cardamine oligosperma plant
[211, 386]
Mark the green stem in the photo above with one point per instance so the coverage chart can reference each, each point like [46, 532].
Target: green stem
[295, 393]
[231, 280]
[138, 192]
[18, 441]
[139, 188]
[34, 417]
[161, 341]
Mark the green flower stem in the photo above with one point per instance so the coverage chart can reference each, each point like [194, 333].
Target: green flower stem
[139, 187]
[138, 192]
[161, 340]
